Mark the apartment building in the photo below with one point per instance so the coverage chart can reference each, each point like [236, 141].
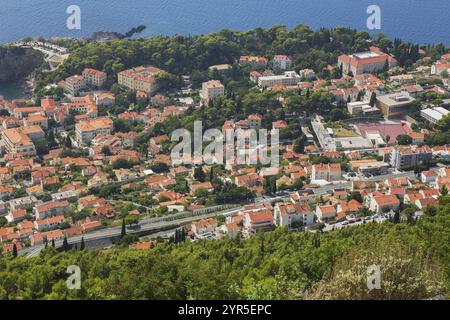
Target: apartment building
[281, 62]
[289, 78]
[86, 131]
[366, 62]
[140, 78]
[253, 61]
[48, 223]
[408, 157]
[51, 209]
[257, 221]
[23, 112]
[85, 105]
[75, 84]
[328, 172]
[211, 90]
[94, 77]
[293, 214]
[36, 120]
[20, 140]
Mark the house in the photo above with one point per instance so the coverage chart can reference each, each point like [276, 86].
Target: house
[429, 177]
[230, 229]
[328, 172]
[107, 211]
[207, 186]
[211, 90]
[51, 208]
[48, 223]
[425, 202]
[106, 99]
[16, 216]
[91, 226]
[281, 62]
[293, 214]
[326, 213]
[204, 226]
[348, 208]
[384, 203]
[259, 221]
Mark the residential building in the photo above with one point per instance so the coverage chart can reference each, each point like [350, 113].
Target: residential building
[75, 84]
[258, 221]
[293, 214]
[328, 172]
[326, 213]
[86, 131]
[211, 90]
[281, 62]
[94, 77]
[384, 203]
[50, 209]
[255, 62]
[410, 156]
[204, 226]
[140, 78]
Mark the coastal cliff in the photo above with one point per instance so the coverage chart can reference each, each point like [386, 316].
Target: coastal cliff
[18, 63]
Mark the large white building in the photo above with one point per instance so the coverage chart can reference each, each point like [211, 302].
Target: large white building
[289, 78]
[433, 115]
[366, 62]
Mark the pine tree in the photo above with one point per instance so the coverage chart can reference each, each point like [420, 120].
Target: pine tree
[14, 251]
[82, 245]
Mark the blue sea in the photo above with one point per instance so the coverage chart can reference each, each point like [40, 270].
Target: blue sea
[418, 21]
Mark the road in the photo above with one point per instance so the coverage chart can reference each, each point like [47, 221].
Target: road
[157, 223]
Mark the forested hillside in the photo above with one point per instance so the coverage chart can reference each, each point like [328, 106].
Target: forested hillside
[414, 260]
[192, 55]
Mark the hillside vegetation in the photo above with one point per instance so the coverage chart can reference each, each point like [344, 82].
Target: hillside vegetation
[413, 258]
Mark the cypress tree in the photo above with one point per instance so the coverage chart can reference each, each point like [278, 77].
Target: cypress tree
[65, 244]
[82, 245]
[53, 242]
[124, 230]
[14, 251]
